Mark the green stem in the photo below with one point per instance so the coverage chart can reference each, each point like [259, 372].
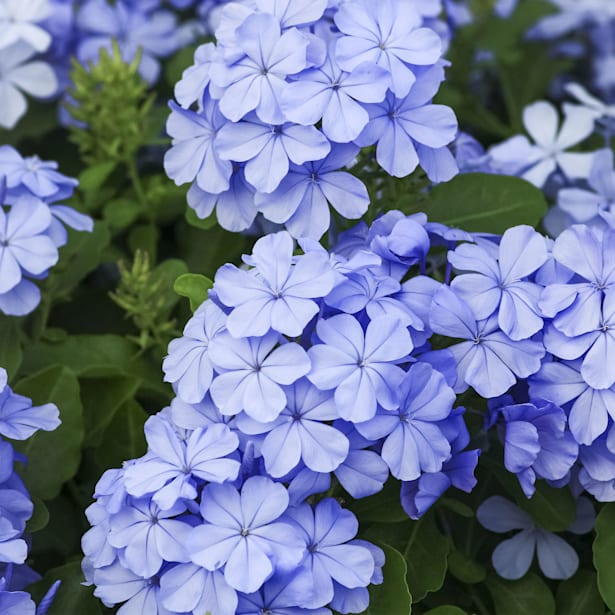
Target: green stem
[138, 186]
[41, 316]
[478, 601]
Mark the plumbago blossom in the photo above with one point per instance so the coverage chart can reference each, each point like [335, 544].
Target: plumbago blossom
[19, 420]
[270, 116]
[311, 370]
[283, 386]
[32, 226]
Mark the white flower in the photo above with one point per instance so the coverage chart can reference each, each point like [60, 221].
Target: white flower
[600, 109]
[18, 22]
[17, 74]
[535, 162]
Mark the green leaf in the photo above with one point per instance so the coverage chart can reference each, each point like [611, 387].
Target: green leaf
[382, 507]
[97, 356]
[478, 202]
[80, 256]
[121, 213]
[39, 518]
[11, 354]
[424, 548]
[72, 597]
[53, 457]
[393, 596]
[466, 569]
[527, 596]
[579, 595]
[202, 223]
[95, 176]
[124, 437]
[194, 286]
[166, 275]
[446, 610]
[145, 238]
[604, 548]
[102, 397]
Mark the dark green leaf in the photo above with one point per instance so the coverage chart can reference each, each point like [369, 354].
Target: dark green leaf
[194, 286]
[579, 595]
[82, 254]
[478, 202]
[40, 516]
[102, 397]
[446, 610]
[124, 438]
[11, 354]
[145, 238]
[527, 596]
[604, 548]
[424, 548]
[97, 356]
[393, 596]
[72, 597]
[53, 457]
[382, 507]
[466, 569]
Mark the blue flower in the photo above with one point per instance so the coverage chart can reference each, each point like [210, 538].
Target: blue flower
[413, 441]
[172, 467]
[302, 198]
[256, 80]
[536, 443]
[513, 557]
[489, 361]
[190, 588]
[300, 433]
[596, 347]
[187, 365]
[245, 532]
[278, 293]
[25, 248]
[251, 372]
[575, 306]
[194, 153]
[335, 96]
[389, 35]
[360, 365]
[268, 149]
[501, 285]
[327, 530]
[412, 130]
[115, 584]
[19, 419]
[34, 176]
[588, 408]
[235, 207]
[149, 535]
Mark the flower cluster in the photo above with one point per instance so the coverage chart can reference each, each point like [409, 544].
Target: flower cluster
[32, 226]
[19, 420]
[297, 378]
[307, 373]
[288, 96]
